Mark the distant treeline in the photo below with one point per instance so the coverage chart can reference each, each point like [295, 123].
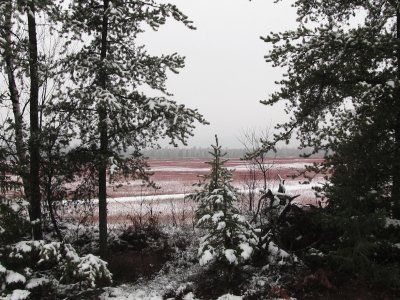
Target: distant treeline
[196, 152]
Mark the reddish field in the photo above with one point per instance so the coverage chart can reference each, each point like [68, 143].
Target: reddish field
[175, 177]
[128, 200]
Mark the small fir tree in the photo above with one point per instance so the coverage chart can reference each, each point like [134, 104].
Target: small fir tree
[228, 239]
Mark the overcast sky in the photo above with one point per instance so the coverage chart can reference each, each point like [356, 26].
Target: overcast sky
[225, 75]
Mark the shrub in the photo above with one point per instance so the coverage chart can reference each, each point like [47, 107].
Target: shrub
[14, 224]
[22, 261]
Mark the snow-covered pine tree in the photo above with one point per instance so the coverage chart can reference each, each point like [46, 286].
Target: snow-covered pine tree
[342, 91]
[104, 73]
[228, 238]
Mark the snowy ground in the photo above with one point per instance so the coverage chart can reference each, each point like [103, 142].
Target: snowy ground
[165, 206]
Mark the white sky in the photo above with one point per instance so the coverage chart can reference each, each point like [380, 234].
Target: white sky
[225, 75]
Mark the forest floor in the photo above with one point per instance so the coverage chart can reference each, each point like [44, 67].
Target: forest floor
[169, 269]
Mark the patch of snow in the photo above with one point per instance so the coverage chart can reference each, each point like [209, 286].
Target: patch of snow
[313, 251]
[24, 247]
[141, 198]
[113, 169]
[14, 277]
[230, 256]
[390, 83]
[277, 255]
[179, 169]
[239, 218]
[24, 203]
[217, 216]
[204, 218]
[206, 257]
[36, 282]
[3, 270]
[92, 267]
[246, 250]
[274, 250]
[230, 297]
[119, 294]
[221, 225]
[189, 296]
[392, 222]
[19, 295]
[15, 207]
[35, 222]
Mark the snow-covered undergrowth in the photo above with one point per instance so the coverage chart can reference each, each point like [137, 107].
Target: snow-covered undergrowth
[178, 278]
[225, 245]
[58, 269]
[183, 277]
[30, 266]
[174, 278]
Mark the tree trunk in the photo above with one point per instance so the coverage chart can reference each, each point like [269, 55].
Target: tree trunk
[53, 218]
[36, 214]
[396, 156]
[49, 199]
[103, 129]
[15, 100]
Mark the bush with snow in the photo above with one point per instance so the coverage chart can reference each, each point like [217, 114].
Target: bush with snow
[279, 256]
[60, 259]
[14, 224]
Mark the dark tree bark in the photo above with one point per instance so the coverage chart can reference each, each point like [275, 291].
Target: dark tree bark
[34, 146]
[396, 156]
[103, 129]
[15, 100]
[49, 192]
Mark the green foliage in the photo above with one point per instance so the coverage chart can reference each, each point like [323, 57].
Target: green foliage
[229, 240]
[14, 224]
[342, 91]
[53, 262]
[341, 83]
[134, 120]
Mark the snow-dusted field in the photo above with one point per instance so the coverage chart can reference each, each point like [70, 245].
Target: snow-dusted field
[175, 178]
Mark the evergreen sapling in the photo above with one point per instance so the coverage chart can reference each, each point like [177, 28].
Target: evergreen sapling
[228, 238]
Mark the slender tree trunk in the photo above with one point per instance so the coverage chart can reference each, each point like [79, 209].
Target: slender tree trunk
[36, 214]
[396, 156]
[15, 100]
[103, 128]
[51, 210]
